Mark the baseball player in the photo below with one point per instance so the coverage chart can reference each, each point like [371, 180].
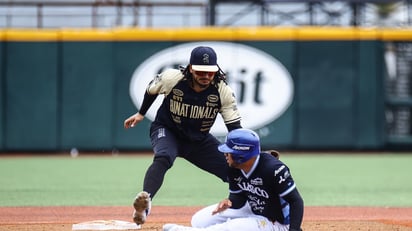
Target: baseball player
[193, 97]
[263, 195]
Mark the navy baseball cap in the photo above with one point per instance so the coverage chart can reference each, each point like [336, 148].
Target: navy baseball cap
[204, 59]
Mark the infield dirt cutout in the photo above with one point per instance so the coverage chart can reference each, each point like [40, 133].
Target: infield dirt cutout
[315, 219]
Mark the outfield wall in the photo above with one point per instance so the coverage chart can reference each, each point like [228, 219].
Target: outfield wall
[70, 88]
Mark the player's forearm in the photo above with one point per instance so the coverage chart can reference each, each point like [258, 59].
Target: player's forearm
[296, 206]
[147, 102]
[296, 215]
[222, 206]
[237, 200]
[234, 125]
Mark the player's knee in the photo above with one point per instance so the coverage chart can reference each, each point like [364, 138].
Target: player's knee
[165, 161]
[204, 218]
[199, 222]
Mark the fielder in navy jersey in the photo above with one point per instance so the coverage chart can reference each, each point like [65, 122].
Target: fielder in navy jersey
[262, 193]
[193, 97]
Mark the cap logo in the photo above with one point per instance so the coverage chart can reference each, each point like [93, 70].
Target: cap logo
[205, 58]
[241, 148]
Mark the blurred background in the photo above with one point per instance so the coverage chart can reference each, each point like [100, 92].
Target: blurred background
[199, 13]
[66, 69]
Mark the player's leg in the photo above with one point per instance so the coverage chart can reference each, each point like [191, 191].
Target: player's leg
[257, 223]
[165, 148]
[206, 156]
[204, 218]
[165, 152]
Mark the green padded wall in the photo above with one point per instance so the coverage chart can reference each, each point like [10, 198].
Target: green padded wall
[326, 94]
[61, 95]
[2, 95]
[127, 57]
[370, 120]
[31, 96]
[87, 95]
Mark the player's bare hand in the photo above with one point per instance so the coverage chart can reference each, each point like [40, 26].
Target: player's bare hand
[133, 120]
[222, 206]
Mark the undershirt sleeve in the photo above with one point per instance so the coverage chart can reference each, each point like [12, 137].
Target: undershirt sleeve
[238, 201]
[147, 102]
[296, 209]
[234, 125]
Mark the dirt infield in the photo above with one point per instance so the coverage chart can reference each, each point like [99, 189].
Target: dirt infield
[316, 218]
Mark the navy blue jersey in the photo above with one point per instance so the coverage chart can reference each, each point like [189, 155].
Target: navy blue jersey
[264, 186]
[188, 113]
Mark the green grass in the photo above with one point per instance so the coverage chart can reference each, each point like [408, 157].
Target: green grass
[323, 180]
[353, 180]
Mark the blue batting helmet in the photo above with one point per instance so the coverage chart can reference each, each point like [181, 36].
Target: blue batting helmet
[242, 143]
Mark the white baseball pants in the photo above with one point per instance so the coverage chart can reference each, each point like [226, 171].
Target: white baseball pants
[233, 220]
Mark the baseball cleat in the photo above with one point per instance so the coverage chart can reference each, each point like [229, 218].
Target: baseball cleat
[142, 205]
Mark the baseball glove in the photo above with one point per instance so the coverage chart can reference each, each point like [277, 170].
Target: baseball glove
[274, 153]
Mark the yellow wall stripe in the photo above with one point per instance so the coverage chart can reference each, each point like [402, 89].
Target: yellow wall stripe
[208, 33]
